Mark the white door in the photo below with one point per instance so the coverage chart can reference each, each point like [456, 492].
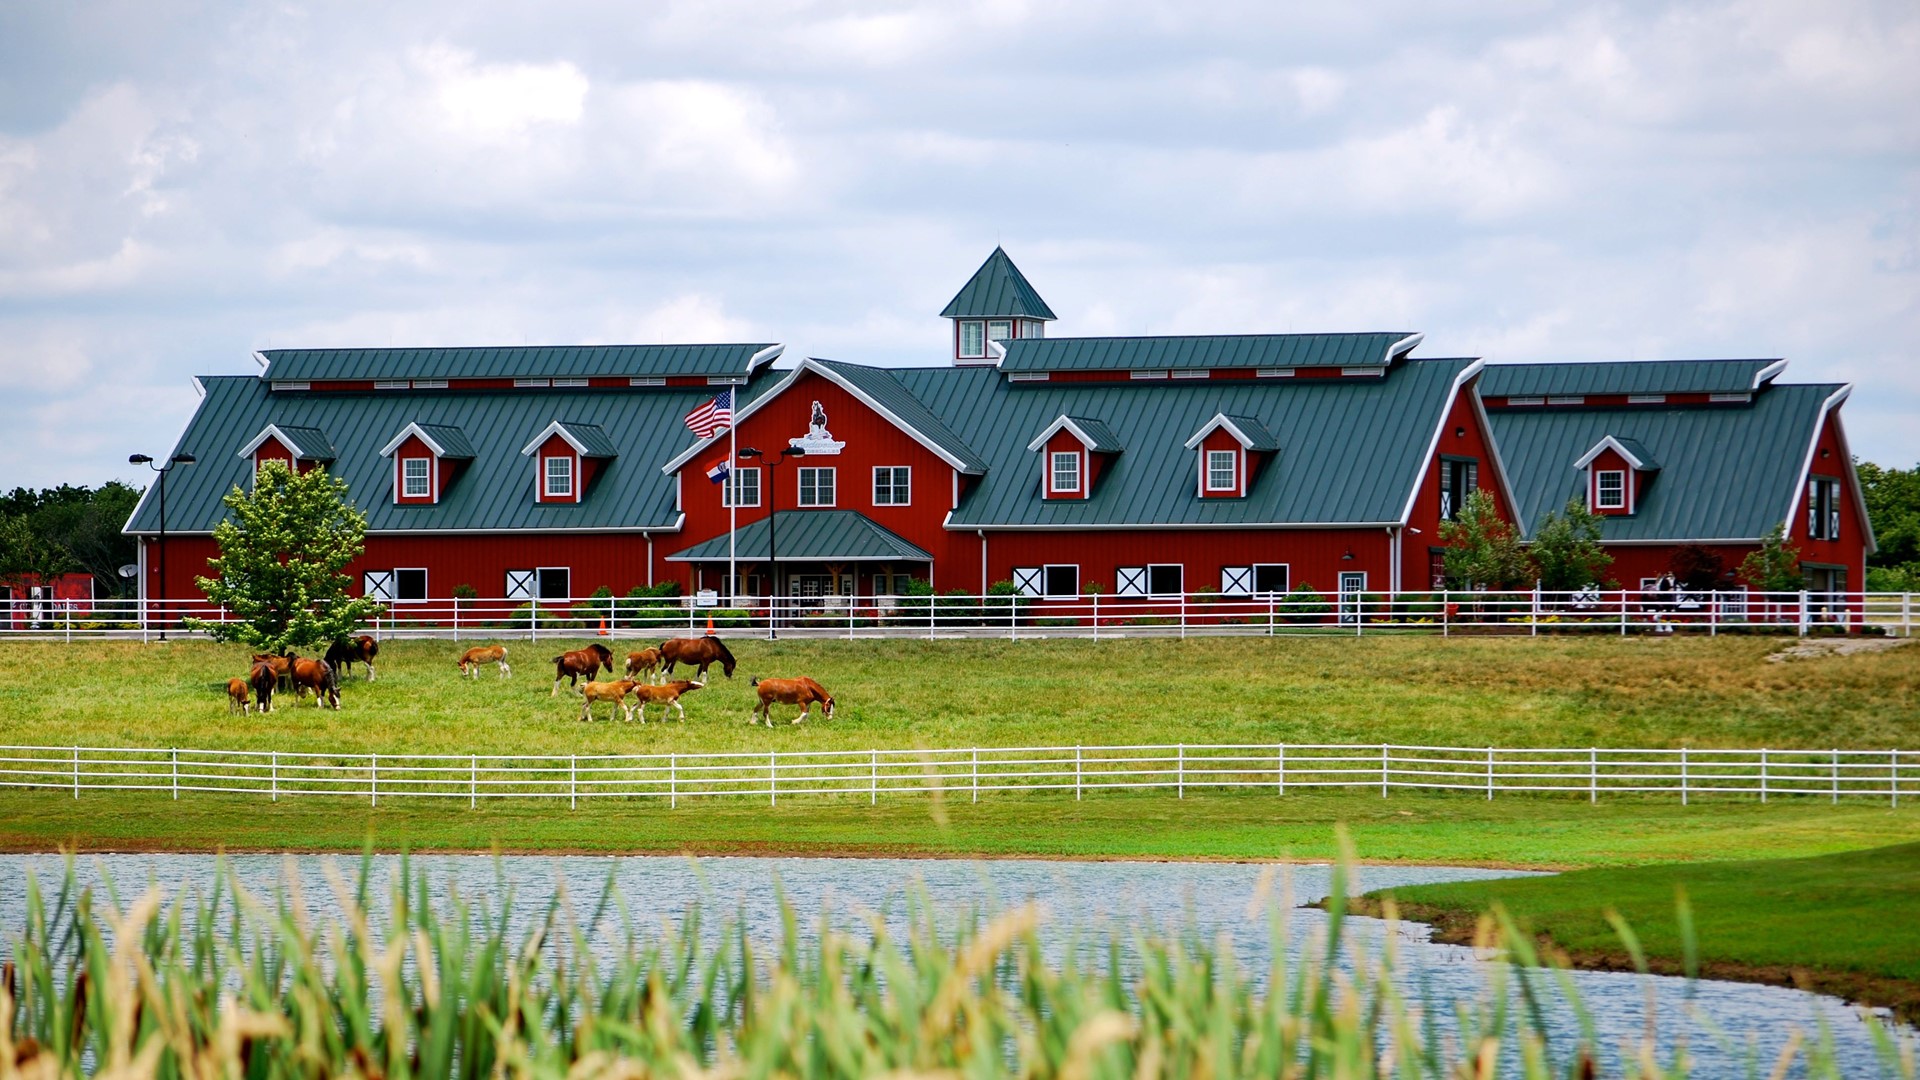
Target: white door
[1352, 584]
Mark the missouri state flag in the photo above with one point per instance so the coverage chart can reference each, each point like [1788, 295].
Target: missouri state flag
[717, 472]
[706, 419]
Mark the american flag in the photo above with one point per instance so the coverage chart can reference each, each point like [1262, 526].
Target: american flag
[713, 416]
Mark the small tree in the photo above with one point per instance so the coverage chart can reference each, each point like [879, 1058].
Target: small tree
[281, 569]
[26, 556]
[1566, 549]
[1775, 565]
[1482, 548]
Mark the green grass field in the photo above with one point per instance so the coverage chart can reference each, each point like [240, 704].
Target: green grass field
[1842, 920]
[1518, 692]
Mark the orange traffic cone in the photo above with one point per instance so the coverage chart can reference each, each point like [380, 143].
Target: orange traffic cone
[709, 626]
[603, 628]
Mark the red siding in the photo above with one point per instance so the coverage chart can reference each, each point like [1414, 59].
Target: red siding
[1830, 461]
[1610, 460]
[1221, 439]
[1066, 442]
[1316, 557]
[1461, 436]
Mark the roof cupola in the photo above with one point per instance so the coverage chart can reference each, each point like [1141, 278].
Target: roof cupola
[997, 305]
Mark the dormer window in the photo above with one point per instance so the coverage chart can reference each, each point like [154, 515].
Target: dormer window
[568, 456]
[1618, 472]
[1223, 471]
[1073, 451]
[1610, 489]
[416, 477]
[298, 448]
[426, 460]
[1227, 451]
[559, 474]
[1066, 472]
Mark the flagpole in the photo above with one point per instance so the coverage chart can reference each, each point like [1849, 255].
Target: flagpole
[733, 505]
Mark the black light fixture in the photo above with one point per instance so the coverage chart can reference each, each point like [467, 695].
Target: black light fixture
[752, 453]
[1348, 557]
[1459, 433]
[163, 470]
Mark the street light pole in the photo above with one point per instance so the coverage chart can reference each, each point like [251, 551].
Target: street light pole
[163, 470]
[773, 511]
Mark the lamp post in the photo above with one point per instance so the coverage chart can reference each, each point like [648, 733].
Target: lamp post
[163, 470]
[752, 453]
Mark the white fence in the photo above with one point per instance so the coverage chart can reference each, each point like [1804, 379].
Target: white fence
[1618, 611]
[1271, 769]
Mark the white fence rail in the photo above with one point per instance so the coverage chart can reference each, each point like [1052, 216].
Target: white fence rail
[1273, 769]
[954, 615]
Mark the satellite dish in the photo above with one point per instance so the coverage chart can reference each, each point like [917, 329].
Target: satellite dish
[131, 570]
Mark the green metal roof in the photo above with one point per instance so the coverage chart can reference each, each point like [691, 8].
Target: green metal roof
[590, 439]
[1627, 377]
[1355, 448]
[1261, 439]
[1648, 463]
[452, 441]
[880, 386]
[997, 290]
[495, 492]
[1099, 438]
[1211, 352]
[309, 443]
[1726, 473]
[505, 362]
[811, 536]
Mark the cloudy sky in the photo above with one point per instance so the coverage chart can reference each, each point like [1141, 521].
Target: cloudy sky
[183, 183]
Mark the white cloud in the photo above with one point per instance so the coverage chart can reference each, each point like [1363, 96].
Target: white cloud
[498, 103]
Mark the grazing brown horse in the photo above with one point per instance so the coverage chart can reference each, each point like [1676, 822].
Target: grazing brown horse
[614, 692]
[666, 695]
[801, 691]
[343, 654]
[318, 676]
[282, 667]
[237, 690]
[696, 652]
[470, 661]
[646, 661]
[581, 664]
[263, 680]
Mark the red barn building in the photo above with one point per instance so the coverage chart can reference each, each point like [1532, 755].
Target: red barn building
[1248, 464]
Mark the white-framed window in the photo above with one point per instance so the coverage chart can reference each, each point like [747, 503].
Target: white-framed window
[1272, 579]
[416, 477]
[1223, 469]
[1064, 472]
[892, 485]
[1459, 477]
[546, 583]
[1032, 328]
[742, 488]
[409, 585]
[1823, 509]
[1166, 579]
[1000, 330]
[973, 338]
[816, 487]
[1610, 489]
[557, 477]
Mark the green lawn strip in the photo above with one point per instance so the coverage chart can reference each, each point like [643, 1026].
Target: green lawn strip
[1561, 691]
[1839, 923]
[1541, 833]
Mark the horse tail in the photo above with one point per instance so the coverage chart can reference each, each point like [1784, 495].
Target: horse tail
[755, 681]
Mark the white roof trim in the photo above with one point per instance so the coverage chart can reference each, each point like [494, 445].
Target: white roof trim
[1768, 373]
[1610, 443]
[271, 431]
[413, 428]
[1220, 420]
[555, 428]
[261, 359]
[1433, 445]
[1064, 421]
[1404, 345]
[765, 356]
[1827, 409]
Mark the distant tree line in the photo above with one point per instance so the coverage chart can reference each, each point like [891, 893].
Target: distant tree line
[1893, 505]
[67, 530]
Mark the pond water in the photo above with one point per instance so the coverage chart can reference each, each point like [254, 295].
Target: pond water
[1727, 1027]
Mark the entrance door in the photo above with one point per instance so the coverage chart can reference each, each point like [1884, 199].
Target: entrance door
[1352, 584]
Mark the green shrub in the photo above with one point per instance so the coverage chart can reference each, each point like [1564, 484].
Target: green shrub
[1303, 606]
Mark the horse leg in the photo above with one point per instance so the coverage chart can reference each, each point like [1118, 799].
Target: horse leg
[370, 672]
[556, 685]
[506, 670]
[804, 710]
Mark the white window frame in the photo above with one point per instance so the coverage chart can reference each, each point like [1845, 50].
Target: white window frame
[1046, 580]
[1054, 458]
[396, 598]
[1033, 328]
[522, 584]
[1286, 569]
[1350, 599]
[546, 476]
[1179, 568]
[903, 488]
[1232, 459]
[973, 351]
[1600, 489]
[733, 485]
[425, 478]
[540, 573]
[1006, 330]
[815, 471]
